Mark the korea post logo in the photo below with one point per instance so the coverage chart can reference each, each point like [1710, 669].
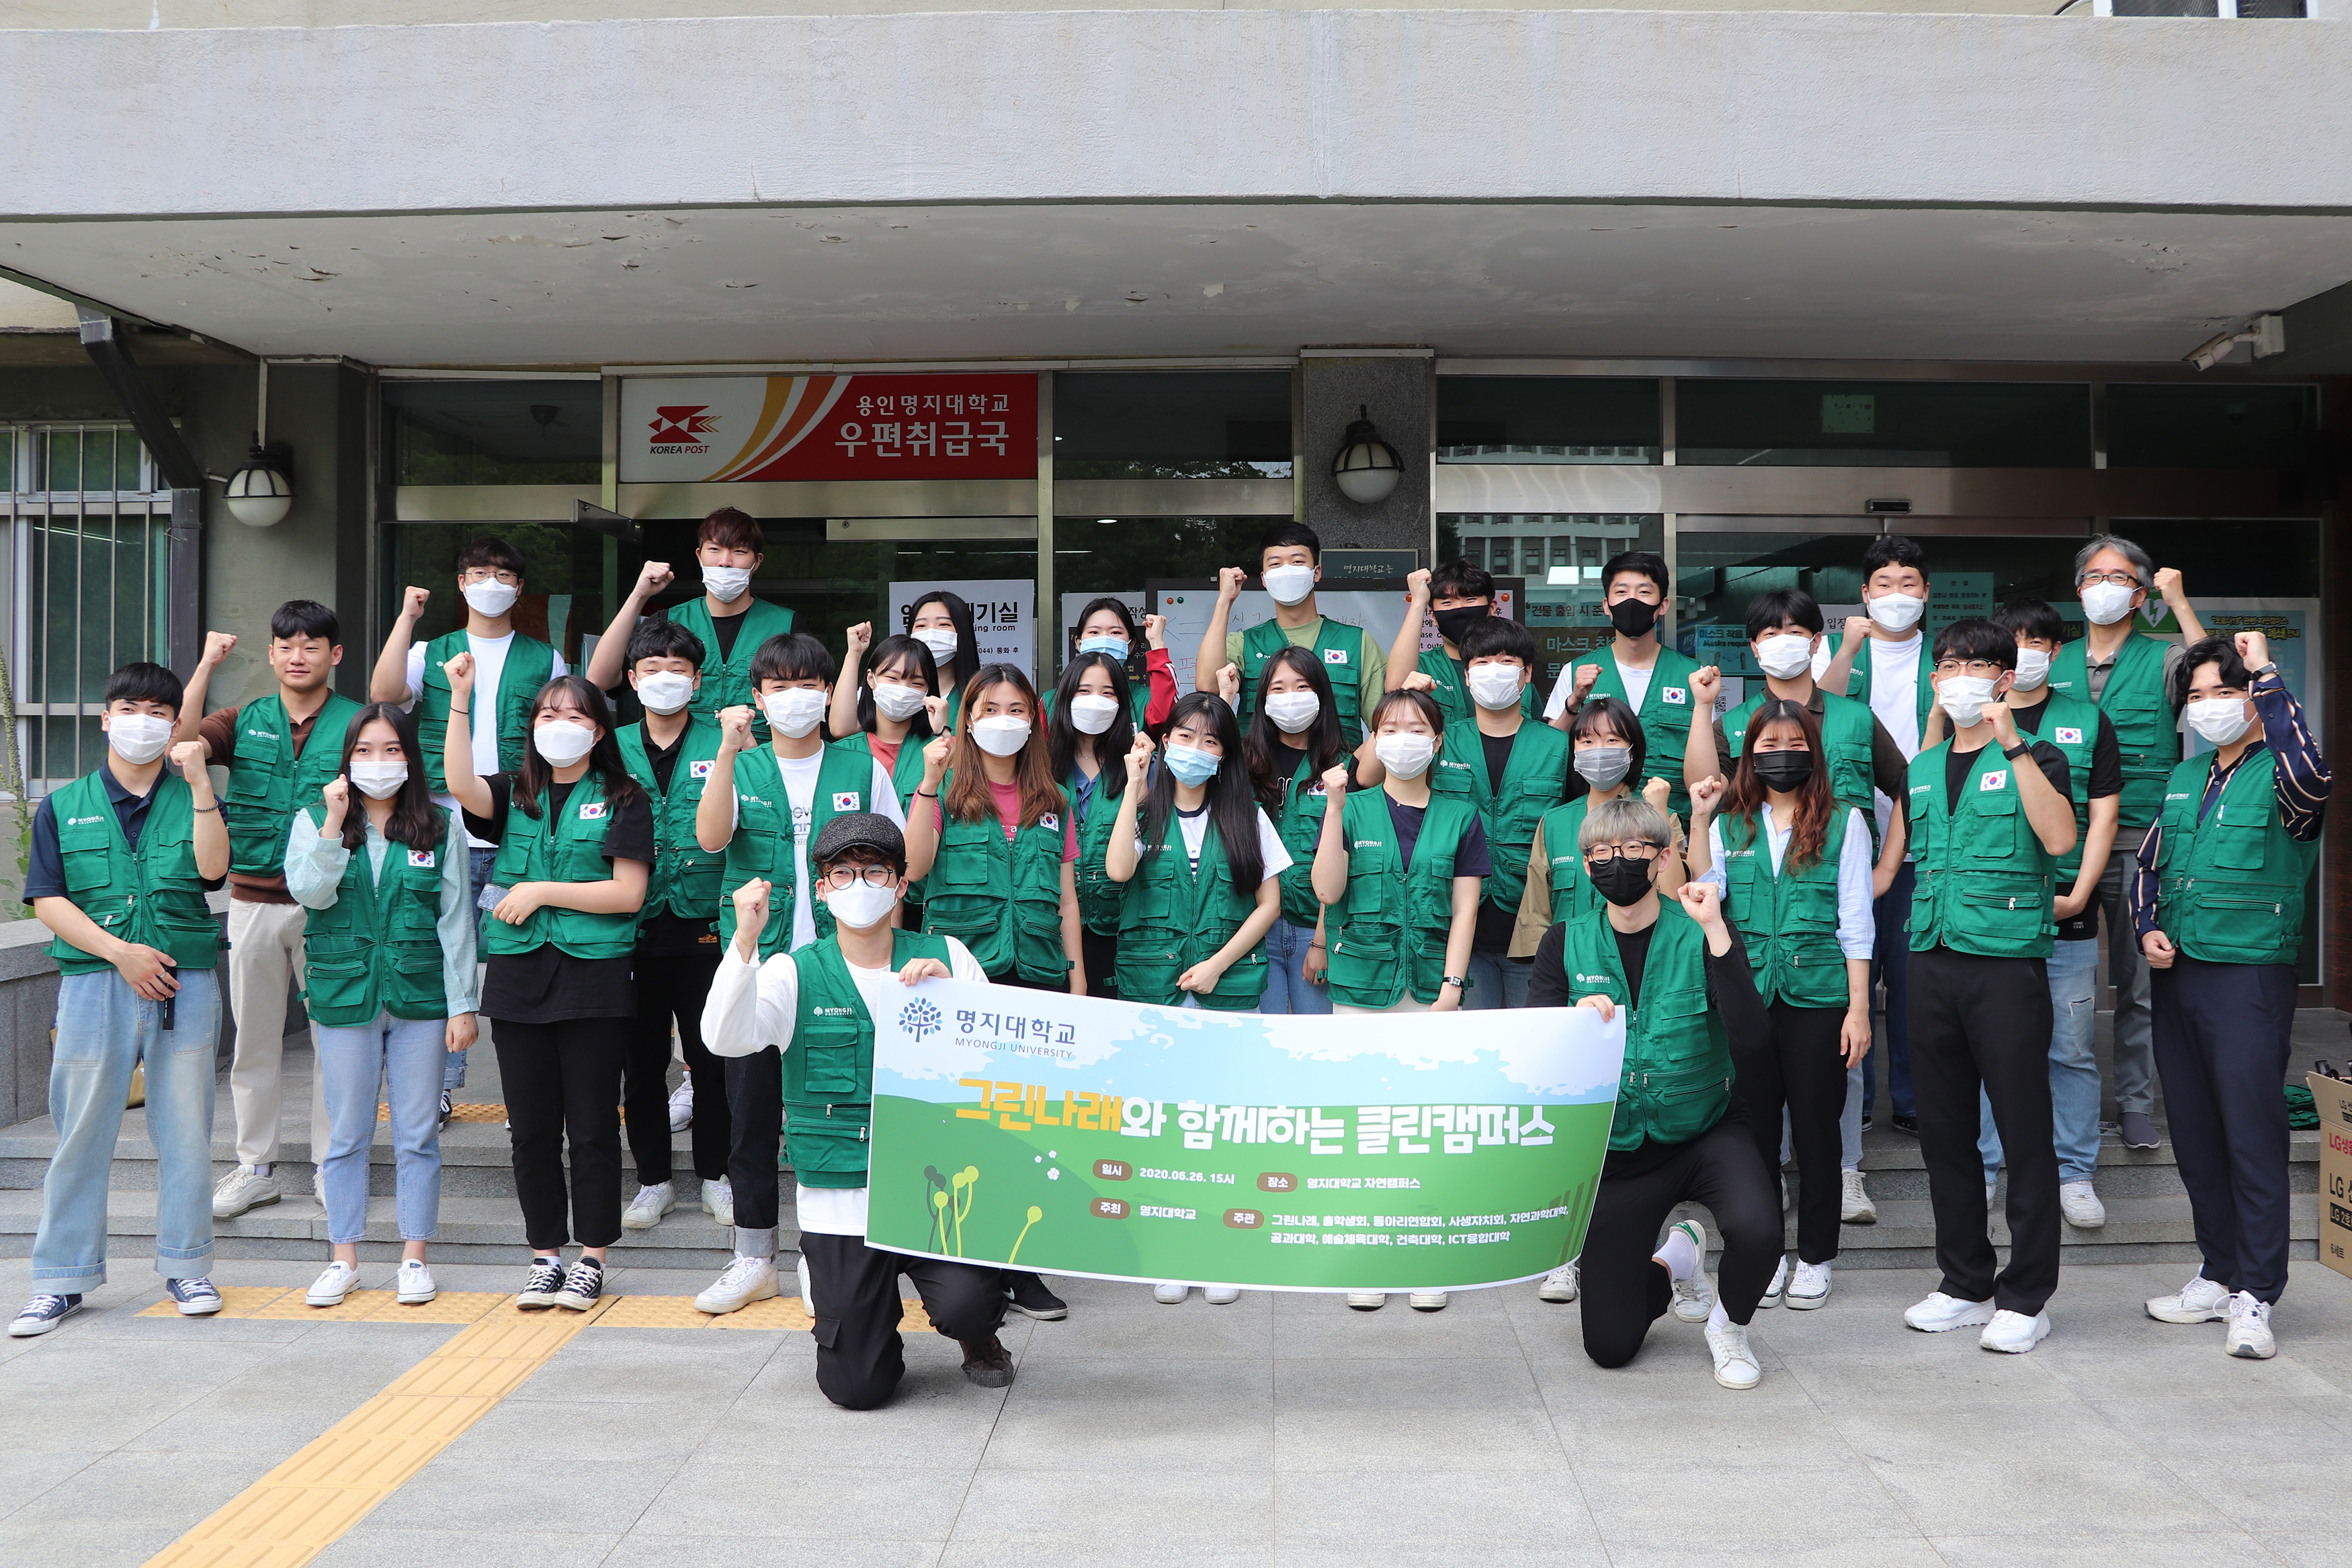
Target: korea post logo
[595, 811]
[421, 859]
[699, 769]
[845, 799]
[2068, 734]
[1997, 780]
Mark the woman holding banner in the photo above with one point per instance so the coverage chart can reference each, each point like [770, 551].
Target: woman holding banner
[1294, 739]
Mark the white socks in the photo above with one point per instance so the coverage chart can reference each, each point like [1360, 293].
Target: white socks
[1717, 1319]
[1679, 1256]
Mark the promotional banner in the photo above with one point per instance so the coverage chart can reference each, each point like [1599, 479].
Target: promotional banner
[700, 430]
[1073, 1135]
[1000, 616]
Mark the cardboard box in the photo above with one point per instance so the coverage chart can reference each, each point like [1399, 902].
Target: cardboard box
[2333, 1097]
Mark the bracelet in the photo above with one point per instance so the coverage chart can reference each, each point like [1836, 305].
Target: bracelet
[462, 710]
[1315, 946]
[213, 807]
[921, 796]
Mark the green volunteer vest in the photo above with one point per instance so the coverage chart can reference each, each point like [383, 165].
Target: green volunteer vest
[684, 880]
[1847, 730]
[267, 780]
[1857, 686]
[1002, 901]
[1300, 826]
[727, 682]
[1534, 779]
[375, 948]
[1339, 645]
[150, 896]
[1391, 930]
[1788, 917]
[828, 1072]
[1572, 893]
[1676, 1081]
[905, 778]
[1099, 898]
[2071, 725]
[1448, 684]
[2229, 888]
[529, 665]
[1984, 879]
[1665, 714]
[570, 849]
[763, 846]
[1178, 915]
[2147, 737]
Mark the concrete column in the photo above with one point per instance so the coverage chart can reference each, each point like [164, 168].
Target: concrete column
[1399, 389]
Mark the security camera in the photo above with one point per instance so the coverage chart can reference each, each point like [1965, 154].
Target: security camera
[2267, 333]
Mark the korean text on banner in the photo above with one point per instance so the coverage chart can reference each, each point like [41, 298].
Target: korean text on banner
[708, 430]
[1077, 1136]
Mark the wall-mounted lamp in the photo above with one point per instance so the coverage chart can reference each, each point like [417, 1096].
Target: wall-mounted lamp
[1368, 468]
[261, 493]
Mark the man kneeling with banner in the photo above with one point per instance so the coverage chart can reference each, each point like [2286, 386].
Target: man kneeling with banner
[817, 1004]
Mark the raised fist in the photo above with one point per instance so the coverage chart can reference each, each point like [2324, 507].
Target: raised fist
[413, 604]
[460, 670]
[216, 647]
[735, 728]
[188, 756]
[1138, 756]
[1155, 631]
[1416, 584]
[861, 637]
[1586, 674]
[653, 577]
[1229, 581]
[751, 906]
[1418, 681]
[1228, 684]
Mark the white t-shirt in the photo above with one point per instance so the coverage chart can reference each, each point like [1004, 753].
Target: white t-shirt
[799, 788]
[1636, 683]
[1894, 698]
[1195, 828]
[754, 1006]
[490, 664]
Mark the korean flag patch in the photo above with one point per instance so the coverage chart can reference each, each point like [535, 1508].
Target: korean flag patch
[1050, 823]
[1997, 780]
[2069, 736]
[595, 811]
[1335, 655]
[1679, 696]
[845, 799]
[699, 769]
[422, 859]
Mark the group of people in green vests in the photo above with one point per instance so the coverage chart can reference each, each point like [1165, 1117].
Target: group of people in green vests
[1321, 825]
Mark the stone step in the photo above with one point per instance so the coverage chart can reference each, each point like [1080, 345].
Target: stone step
[2151, 1229]
[1892, 1164]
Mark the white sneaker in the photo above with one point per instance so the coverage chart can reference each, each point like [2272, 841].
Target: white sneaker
[1940, 1313]
[1810, 1287]
[330, 1288]
[2079, 1202]
[681, 1105]
[1169, 1293]
[1787, 1202]
[1854, 1206]
[746, 1279]
[646, 1209]
[1693, 1297]
[243, 1188]
[2014, 1333]
[1735, 1363]
[414, 1284]
[1773, 1291]
[1559, 1285]
[2250, 1328]
[1991, 1187]
[2202, 1300]
[1220, 1295]
[808, 1291]
[1426, 1300]
[719, 1201]
[1367, 1300]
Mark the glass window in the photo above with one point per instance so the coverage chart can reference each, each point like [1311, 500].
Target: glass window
[2217, 425]
[1201, 425]
[1546, 419]
[1566, 616]
[1892, 425]
[495, 433]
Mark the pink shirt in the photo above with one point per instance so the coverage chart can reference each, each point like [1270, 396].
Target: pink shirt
[1008, 812]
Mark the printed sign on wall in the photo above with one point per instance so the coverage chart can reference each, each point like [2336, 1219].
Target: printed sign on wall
[1000, 616]
[708, 430]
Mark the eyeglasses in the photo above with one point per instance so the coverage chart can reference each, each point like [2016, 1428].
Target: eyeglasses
[485, 574]
[2120, 578]
[1983, 668]
[1601, 855]
[846, 877]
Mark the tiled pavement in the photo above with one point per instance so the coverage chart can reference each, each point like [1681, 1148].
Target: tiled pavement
[1278, 1430]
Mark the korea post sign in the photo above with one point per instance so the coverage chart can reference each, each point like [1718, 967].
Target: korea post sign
[1082, 1136]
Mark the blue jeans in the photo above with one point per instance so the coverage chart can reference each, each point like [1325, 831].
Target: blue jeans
[1287, 990]
[1891, 963]
[405, 1055]
[105, 1030]
[1496, 981]
[2073, 1069]
[477, 867]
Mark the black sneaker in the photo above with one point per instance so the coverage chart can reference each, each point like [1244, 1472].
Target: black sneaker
[1030, 1298]
[1869, 1119]
[42, 1313]
[987, 1362]
[1903, 1124]
[539, 1292]
[582, 1283]
[448, 1110]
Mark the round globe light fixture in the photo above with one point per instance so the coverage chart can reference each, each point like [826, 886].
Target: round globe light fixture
[1368, 468]
[261, 494]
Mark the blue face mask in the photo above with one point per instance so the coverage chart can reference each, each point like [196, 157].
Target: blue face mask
[1115, 646]
[1190, 765]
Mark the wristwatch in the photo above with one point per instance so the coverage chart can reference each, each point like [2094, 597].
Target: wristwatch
[2269, 669]
[2020, 749]
[1459, 982]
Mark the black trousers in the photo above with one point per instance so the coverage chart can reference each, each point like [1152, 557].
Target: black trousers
[1800, 1067]
[562, 1085]
[755, 1107]
[1623, 1290]
[1982, 1022]
[674, 986]
[2222, 1048]
[859, 1356]
[1101, 954]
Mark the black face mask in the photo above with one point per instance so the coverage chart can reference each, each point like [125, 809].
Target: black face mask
[1633, 617]
[1783, 770]
[1622, 882]
[1452, 623]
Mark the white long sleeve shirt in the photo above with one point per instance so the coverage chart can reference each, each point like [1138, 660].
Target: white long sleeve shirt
[1856, 927]
[754, 1006]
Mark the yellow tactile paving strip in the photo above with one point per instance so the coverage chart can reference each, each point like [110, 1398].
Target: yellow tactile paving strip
[465, 1112]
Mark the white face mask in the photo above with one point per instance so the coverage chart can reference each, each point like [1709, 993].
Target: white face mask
[492, 597]
[1785, 655]
[726, 583]
[562, 742]
[2032, 668]
[1406, 756]
[1290, 584]
[941, 643]
[2219, 719]
[379, 780]
[1293, 711]
[1091, 715]
[897, 702]
[1897, 612]
[1963, 698]
[1000, 736]
[1494, 686]
[138, 737]
[794, 711]
[2107, 602]
[666, 691]
[860, 906]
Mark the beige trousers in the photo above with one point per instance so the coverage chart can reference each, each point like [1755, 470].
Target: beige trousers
[265, 953]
